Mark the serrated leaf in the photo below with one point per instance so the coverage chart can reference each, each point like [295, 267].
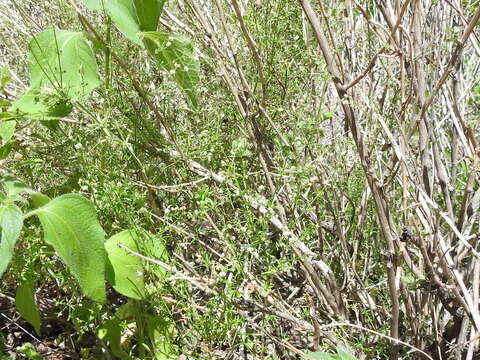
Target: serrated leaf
[62, 68]
[175, 53]
[7, 129]
[26, 305]
[11, 222]
[126, 270]
[70, 225]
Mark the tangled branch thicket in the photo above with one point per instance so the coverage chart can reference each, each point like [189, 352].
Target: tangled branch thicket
[328, 183]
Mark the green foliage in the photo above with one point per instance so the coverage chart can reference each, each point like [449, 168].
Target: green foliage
[5, 76]
[125, 272]
[148, 13]
[71, 227]
[123, 15]
[11, 223]
[26, 305]
[94, 4]
[111, 333]
[161, 332]
[29, 351]
[62, 69]
[7, 129]
[134, 16]
[175, 54]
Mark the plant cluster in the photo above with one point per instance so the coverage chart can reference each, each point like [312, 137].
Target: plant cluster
[310, 168]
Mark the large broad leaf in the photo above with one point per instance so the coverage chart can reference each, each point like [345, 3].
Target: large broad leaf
[134, 16]
[62, 68]
[175, 53]
[148, 13]
[26, 305]
[124, 16]
[126, 270]
[11, 223]
[71, 227]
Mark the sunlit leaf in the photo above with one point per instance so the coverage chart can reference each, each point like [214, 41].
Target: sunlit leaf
[11, 222]
[125, 271]
[70, 225]
[62, 68]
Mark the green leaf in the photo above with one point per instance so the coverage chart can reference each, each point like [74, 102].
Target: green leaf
[39, 200]
[14, 187]
[134, 16]
[29, 351]
[5, 76]
[93, 4]
[62, 68]
[161, 332]
[344, 355]
[148, 13]
[175, 53]
[129, 310]
[11, 222]
[124, 16]
[321, 356]
[5, 150]
[26, 306]
[111, 332]
[70, 225]
[7, 129]
[126, 270]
